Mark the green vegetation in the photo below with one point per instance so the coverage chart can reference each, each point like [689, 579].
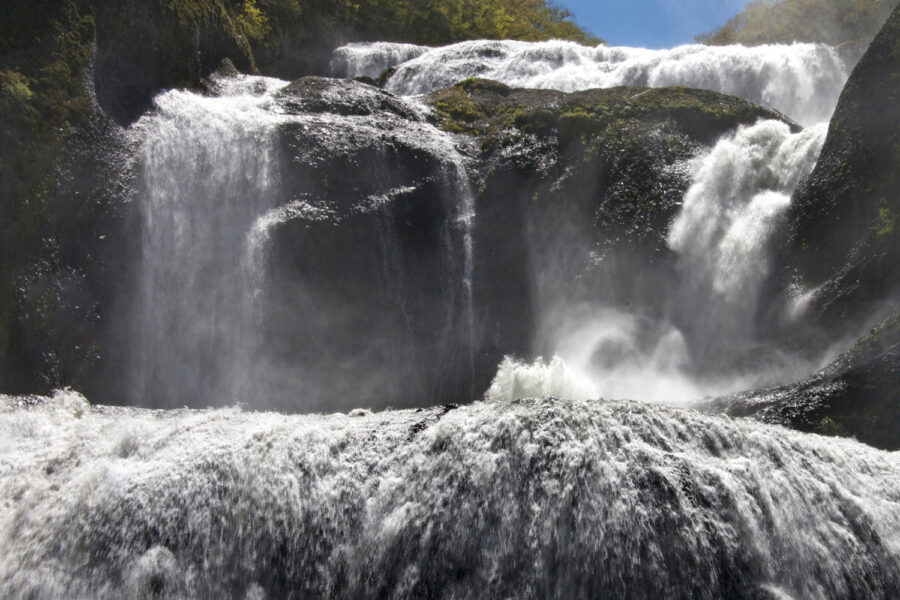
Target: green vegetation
[833, 22]
[483, 107]
[255, 22]
[885, 222]
[416, 21]
[879, 339]
[44, 49]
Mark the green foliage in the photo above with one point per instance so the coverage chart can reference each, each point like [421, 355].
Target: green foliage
[885, 222]
[14, 88]
[784, 21]
[828, 426]
[423, 21]
[254, 21]
[45, 48]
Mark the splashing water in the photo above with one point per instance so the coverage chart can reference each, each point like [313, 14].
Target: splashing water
[740, 191]
[517, 379]
[371, 59]
[705, 342]
[801, 80]
[525, 499]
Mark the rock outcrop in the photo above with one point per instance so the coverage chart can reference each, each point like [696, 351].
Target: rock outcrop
[846, 216]
[858, 395]
[71, 73]
[147, 46]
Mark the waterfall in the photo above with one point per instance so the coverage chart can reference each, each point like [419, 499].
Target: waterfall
[310, 247]
[208, 167]
[704, 343]
[801, 80]
[259, 162]
[524, 499]
[740, 192]
[373, 58]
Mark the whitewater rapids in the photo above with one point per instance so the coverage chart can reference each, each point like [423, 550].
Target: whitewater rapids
[501, 499]
[803, 81]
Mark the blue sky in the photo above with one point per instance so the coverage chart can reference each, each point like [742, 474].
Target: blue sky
[651, 23]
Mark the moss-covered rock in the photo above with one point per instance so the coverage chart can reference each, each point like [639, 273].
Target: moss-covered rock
[845, 216]
[46, 49]
[485, 107]
[58, 217]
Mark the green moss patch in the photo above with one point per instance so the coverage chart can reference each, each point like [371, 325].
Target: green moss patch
[482, 107]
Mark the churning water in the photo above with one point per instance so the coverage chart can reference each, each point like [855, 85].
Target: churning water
[802, 81]
[722, 235]
[501, 499]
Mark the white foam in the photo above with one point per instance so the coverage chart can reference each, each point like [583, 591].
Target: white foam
[479, 500]
[740, 191]
[370, 59]
[800, 80]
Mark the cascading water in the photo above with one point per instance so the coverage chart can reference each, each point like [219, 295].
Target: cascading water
[223, 174]
[372, 59]
[505, 499]
[209, 167]
[741, 192]
[704, 343]
[801, 80]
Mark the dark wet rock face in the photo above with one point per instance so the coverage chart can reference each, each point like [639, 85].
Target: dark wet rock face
[72, 73]
[326, 233]
[846, 216]
[76, 269]
[856, 396]
[342, 97]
